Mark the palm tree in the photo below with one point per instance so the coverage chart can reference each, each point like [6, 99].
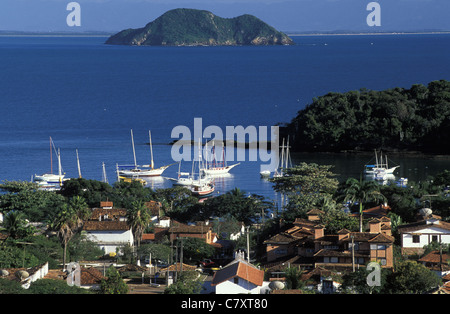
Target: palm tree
[362, 191]
[64, 224]
[14, 223]
[81, 211]
[138, 217]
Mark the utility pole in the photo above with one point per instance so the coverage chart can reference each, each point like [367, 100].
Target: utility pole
[353, 252]
[181, 257]
[248, 244]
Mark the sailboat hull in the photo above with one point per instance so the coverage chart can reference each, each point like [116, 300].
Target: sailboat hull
[49, 178]
[138, 172]
[202, 190]
[218, 170]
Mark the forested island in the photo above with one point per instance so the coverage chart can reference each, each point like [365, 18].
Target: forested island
[190, 27]
[397, 120]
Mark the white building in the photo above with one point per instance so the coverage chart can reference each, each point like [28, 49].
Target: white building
[238, 277]
[415, 236]
[109, 228]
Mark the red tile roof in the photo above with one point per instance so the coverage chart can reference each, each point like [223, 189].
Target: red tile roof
[106, 226]
[239, 269]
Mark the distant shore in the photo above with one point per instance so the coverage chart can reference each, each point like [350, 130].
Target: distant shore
[293, 34]
[289, 33]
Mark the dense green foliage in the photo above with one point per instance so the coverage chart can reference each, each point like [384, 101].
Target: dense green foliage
[416, 119]
[113, 284]
[198, 27]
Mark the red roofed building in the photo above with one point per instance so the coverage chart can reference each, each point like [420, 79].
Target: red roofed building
[239, 276]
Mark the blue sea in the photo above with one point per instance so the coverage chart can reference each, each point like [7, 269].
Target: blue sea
[88, 96]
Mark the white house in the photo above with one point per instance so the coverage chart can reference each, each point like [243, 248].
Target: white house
[238, 277]
[415, 236]
[109, 229]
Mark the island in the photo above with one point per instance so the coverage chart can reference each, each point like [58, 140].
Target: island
[191, 27]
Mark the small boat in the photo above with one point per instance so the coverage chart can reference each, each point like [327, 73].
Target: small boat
[379, 166]
[51, 178]
[265, 173]
[202, 189]
[144, 170]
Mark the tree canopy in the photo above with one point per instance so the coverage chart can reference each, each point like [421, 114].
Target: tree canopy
[417, 118]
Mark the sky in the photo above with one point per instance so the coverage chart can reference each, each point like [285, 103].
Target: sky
[284, 15]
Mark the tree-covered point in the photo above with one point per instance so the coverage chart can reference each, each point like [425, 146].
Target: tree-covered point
[416, 119]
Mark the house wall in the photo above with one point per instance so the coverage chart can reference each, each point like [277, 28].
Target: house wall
[108, 241]
[275, 251]
[378, 255]
[425, 237]
[243, 286]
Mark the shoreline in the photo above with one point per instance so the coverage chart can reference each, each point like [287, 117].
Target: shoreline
[292, 34]
[368, 33]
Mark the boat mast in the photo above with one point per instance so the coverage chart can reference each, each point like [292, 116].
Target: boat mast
[288, 157]
[51, 156]
[282, 158]
[59, 163]
[151, 148]
[376, 159]
[78, 164]
[134, 152]
[104, 178]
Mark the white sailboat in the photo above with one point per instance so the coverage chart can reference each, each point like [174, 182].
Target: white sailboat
[51, 178]
[201, 186]
[285, 160]
[217, 167]
[144, 170]
[381, 167]
[184, 178]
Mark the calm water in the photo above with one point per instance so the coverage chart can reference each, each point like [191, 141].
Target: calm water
[87, 96]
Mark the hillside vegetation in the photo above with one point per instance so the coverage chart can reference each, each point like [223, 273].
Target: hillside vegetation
[189, 27]
[414, 119]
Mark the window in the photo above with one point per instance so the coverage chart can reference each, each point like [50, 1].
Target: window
[434, 238]
[379, 247]
[236, 280]
[330, 260]
[416, 239]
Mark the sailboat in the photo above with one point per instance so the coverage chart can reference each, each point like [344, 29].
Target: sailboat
[285, 158]
[184, 178]
[144, 170]
[202, 186]
[380, 169]
[216, 167]
[51, 178]
[125, 179]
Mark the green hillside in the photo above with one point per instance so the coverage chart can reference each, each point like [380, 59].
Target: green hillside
[414, 119]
